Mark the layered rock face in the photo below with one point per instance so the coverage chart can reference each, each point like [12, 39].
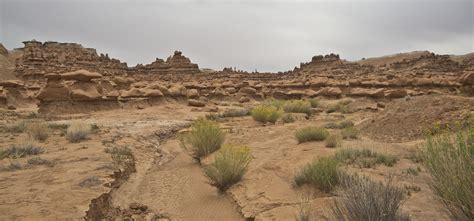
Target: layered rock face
[40, 59]
[77, 75]
[53, 57]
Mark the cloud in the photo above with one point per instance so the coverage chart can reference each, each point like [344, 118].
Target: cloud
[263, 35]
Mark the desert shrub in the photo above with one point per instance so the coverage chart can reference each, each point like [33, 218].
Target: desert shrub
[32, 115]
[298, 106]
[205, 137]
[18, 127]
[266, 113]
[78, 131]
[314, 103]
[304, 209]
[322, 173]
[350, 132]
[412, 171]
[333, 140]
[21, 150]
[339, 125]
[331, 125]
[120, 155]
[275, 103]
[38, 131]
[40, 161]
[340, 106]
[362, 199]
[58, 126]
[364, 157]
[235, 113]
[213, 116]
[15, 165]
[311, 134]
[345, 124]
[449, 158]
[229, 165]
[287, 118]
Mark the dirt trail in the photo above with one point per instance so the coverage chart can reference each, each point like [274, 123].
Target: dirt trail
[167, 179]
[175, 186]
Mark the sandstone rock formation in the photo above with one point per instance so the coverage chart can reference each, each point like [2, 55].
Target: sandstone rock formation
[53, 57]
[389, 77]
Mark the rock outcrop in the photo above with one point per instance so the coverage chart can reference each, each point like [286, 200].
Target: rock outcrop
[53, 57]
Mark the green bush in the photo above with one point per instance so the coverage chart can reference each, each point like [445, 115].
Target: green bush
[449, 158]
[362, 199]
[340, 125]
[298, 106]
[287, 118]
[314, 103]
[265, 113]
[364, 157]
[205, 137]
[350, 132]
[333, 140]
[78, 131]
[322, 173]
[311, 134]
[345, 124]
[38, 131]
[229, 165]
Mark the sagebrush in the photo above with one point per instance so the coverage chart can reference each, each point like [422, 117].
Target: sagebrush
[311, 134]
[78, 131]
[266, 113]
[322, 173]
[229, 165]
[449, 158]
[361, 199]
[204, 138]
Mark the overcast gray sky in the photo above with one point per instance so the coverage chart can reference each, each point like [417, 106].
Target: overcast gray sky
[263, 35]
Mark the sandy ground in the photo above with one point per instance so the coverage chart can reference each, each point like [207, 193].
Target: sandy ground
[170, 182]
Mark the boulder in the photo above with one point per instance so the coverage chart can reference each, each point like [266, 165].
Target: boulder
[196, 103]
[219, 92]
[123, 80]
[178, 91]
[230, 90]
[81, 75]
[193, 93]
[160, 87]
[244, 99]
[133, 92]
[151, 92]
